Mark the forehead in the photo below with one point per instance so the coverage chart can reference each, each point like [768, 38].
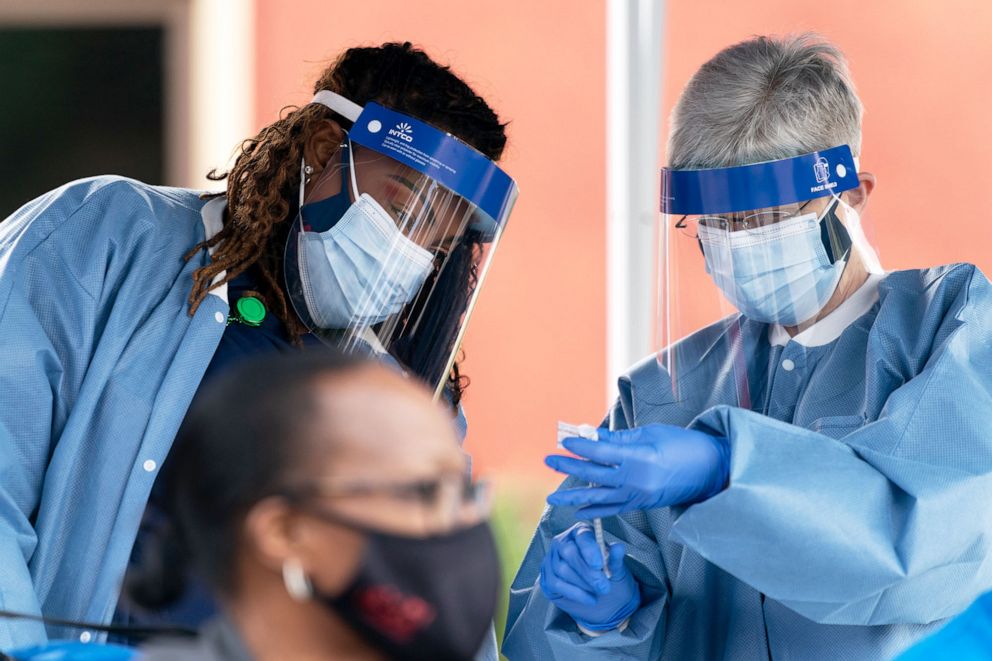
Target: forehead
[373, 160]
[388, 179]
[383, 424]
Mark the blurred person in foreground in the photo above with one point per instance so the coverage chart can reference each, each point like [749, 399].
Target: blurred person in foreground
[324, 498]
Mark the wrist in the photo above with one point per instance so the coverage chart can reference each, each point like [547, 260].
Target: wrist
[618, 620]
[721, 474]
[595, 634]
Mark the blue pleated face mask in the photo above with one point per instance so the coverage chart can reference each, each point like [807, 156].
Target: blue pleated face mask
[364, 247]
[359, 269]
[776, 274]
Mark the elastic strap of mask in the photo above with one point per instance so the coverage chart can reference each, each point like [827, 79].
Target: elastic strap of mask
[836, 239]
[303, 180]
[350, 111]
[351, 166]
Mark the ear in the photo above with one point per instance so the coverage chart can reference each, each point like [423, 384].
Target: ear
[322, 143]
[858, 197]
[271, 532]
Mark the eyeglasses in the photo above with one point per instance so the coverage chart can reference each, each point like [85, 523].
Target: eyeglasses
[439, 503]
[742, 220]
[427, 492]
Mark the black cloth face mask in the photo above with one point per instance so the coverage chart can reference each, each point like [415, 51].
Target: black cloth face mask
[430, 598]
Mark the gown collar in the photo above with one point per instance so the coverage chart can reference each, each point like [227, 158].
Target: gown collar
[830, 327]
[212, 215]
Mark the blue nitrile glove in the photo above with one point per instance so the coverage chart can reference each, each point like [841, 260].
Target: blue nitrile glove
[572, 578]
[642, 468]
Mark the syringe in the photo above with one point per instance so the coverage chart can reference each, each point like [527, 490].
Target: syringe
[566, 430]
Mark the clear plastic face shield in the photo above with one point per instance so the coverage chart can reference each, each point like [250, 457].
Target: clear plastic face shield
[394, 238]
[774, 243]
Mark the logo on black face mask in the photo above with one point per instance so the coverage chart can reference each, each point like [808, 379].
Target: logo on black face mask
[399, 616]
[403, 131]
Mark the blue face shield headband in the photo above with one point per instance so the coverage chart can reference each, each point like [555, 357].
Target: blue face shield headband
[775, 253]
[435, 154]
[759, 185]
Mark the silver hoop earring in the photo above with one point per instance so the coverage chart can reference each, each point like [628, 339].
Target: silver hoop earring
[297, 582]
[307, 170]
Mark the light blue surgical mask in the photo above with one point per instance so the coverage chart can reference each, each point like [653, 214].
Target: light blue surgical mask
[361, 270]
[778, 274]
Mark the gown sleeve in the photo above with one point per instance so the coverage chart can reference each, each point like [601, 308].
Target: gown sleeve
[888, 524]
[27, 400]
[47, 308]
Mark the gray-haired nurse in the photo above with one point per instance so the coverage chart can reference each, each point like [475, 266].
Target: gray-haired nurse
[810, 475]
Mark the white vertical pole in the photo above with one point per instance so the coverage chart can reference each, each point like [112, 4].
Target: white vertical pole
[634, 70]
[222, 84]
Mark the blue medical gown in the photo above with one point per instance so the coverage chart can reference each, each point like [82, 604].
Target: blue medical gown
[99, 360]
[859, 508]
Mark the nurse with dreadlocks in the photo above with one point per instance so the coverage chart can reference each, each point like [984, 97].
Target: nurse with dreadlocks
[364, 219]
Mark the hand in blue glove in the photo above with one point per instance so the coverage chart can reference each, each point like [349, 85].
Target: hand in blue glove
[572, 578]
[642, 468]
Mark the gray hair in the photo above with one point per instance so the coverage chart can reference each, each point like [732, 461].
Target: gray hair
[765, 99]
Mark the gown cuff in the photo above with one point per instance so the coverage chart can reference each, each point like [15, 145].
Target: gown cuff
[595, 634]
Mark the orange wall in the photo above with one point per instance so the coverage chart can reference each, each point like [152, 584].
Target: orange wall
[535, 347]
